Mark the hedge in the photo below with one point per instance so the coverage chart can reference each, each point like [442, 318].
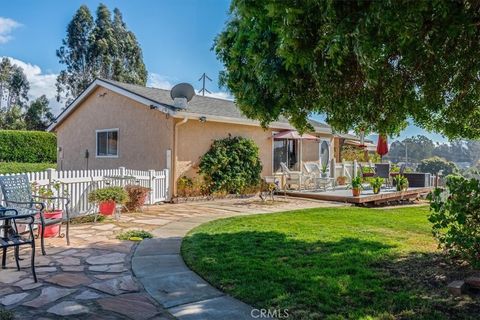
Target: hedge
[28, 146]
[19, 167]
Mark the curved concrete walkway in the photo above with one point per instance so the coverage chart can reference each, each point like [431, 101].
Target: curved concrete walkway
[158, 265]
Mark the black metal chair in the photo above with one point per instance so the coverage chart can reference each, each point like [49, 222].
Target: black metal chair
[11, 237]
[17, 194]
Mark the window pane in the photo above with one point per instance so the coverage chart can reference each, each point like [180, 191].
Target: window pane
[279, 153]
[112, 143]
[101, 143]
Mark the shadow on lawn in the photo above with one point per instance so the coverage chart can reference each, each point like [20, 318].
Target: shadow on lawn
[349, 278]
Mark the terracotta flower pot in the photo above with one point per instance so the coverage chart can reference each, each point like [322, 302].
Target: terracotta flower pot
[54, 229]
[356, 192]
[341, 181]
[107, 208]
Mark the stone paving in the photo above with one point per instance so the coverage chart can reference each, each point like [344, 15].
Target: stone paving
[93, 278]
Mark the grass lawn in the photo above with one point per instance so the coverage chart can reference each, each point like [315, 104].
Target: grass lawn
[331, 263]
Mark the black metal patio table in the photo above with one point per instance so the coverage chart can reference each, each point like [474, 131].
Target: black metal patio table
[11, 237]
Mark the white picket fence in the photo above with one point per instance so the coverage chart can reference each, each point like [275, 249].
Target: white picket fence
[79, 183]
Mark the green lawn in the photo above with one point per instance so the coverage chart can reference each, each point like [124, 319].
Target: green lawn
[331, 263]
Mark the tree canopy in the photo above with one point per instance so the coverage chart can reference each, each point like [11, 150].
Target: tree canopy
[370, 65]
[103, 47]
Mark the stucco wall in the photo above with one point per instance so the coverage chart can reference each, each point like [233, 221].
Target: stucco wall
[195, 139]
[143, 138]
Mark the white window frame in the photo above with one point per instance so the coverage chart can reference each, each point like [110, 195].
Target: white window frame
[96, 142]
[329, 145]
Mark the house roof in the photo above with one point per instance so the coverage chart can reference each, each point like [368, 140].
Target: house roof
[349, 136]
[213, 108]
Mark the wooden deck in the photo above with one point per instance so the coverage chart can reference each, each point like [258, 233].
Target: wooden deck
[366, 198]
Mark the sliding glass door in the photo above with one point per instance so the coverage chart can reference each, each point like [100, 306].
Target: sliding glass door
[285, 151]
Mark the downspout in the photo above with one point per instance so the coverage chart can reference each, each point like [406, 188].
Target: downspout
[174, 161]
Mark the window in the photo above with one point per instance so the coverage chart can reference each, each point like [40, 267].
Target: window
[107, 142]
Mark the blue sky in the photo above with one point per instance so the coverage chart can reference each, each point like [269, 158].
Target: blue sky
[176, 37]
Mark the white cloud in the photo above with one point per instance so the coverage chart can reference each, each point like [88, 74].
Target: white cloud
[156, 80]
[6, 27]
[40, 83]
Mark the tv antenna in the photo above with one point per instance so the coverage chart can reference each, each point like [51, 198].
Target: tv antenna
[202, 78]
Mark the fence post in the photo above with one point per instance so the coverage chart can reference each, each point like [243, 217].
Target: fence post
[152, 184]
[52, 175]
[122, 171]
[333, 168]
[355, 169]
[344, 169]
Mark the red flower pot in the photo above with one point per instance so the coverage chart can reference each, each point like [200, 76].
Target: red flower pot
[107, 208]
[54, 229]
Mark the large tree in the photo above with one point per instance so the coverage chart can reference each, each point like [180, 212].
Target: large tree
[14, 86]
[369, 65]
[38, 115]
[98, 48]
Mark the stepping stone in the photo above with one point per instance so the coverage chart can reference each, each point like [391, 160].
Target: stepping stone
[73, 268]
[108, 268]
[28, 284]
[104, 227]
[49, 294]
[82, 254]
[87, 295]
[45, 269]
[213, 309]
[11, 275]
[68, 261]
[134, 306]
[111, 258]
[68, 252]
[6, 291]
[70, 279]
[13, 298]
[105, 276]
[116, 286]
[457, 288]
[68, 308]
[144, 266]
[473, 282]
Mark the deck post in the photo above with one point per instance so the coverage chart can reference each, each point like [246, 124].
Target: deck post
[355, 168]
[333, 168]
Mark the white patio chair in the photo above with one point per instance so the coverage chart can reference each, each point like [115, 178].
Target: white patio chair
[294, 177]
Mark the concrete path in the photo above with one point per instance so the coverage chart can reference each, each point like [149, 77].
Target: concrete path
[158, 265]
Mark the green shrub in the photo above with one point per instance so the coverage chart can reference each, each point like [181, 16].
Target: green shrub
[117, 194]
[434, 164]
[232, 165]
[134, 235]
[18, 167]
[27, 146]
[454, 213]
[6, 314]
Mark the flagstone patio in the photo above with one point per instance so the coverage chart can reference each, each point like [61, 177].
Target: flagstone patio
[93, 276]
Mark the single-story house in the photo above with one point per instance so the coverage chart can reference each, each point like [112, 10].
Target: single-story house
[113, 124]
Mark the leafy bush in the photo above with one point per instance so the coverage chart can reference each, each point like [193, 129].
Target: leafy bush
[134, 235]
[454, 213]
[18, 167]
[117, 194]
[232, 165]
[191, 187]
[28, 146]
[136, 197]
[434, 164]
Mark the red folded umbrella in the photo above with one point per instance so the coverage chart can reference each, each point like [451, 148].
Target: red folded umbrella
[382, 145]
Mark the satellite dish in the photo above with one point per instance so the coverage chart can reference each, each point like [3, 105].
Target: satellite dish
[182, 90]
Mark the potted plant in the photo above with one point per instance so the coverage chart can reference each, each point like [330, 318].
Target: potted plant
[51, 211]
[376, 183]
[107, 199]
[324, 170]
[401, 183]
[356, 185]
[341, 180]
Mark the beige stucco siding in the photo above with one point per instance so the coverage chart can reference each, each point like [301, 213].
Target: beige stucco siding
[195, 139]
[144, 135]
